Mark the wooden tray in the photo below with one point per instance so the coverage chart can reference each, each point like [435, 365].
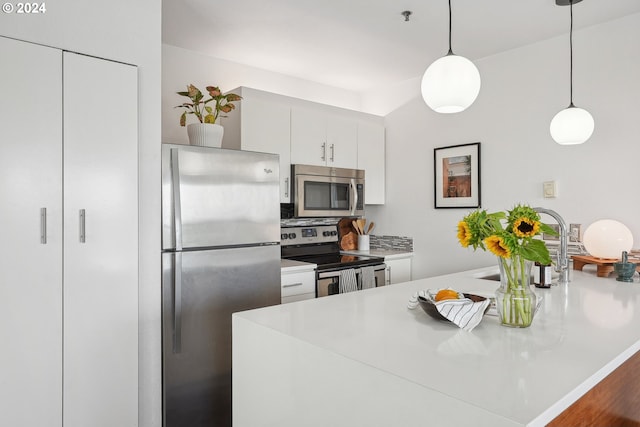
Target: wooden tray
[604, 267]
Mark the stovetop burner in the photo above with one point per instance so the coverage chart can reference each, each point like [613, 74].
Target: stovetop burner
[319, 245]
[336, 261]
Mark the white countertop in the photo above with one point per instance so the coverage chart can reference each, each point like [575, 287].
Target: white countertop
[289, 266]
[511, 377]
[386, 253]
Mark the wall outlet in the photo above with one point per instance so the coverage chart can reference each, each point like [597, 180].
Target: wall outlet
[575, 232]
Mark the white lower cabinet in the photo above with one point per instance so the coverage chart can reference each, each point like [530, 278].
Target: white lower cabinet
[398, 269]
[69, 250]
[298, 285]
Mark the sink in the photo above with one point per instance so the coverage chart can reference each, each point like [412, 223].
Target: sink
[490, 276]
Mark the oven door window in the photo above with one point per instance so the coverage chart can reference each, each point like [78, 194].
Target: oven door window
[326, 195]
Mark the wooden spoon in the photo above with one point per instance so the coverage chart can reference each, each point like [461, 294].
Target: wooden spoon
[371, 225]
[356, 226]
[361, 223]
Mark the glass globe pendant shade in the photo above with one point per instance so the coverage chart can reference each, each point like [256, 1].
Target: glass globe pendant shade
[571, 126]
[607, 238]
[450, 84]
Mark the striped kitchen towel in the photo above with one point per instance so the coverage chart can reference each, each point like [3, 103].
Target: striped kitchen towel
[367, 278]
[348, 281]
[463, 312]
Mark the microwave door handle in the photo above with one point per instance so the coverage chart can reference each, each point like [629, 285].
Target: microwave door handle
[354, 190]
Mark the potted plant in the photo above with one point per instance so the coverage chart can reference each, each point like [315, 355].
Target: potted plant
[206, 131]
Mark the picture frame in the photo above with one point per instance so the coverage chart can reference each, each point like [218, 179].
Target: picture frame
[457, 176]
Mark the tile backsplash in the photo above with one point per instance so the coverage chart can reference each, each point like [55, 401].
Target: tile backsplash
[398, 243]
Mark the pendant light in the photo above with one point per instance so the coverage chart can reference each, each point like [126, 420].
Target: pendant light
[572, 125]
[451, 83]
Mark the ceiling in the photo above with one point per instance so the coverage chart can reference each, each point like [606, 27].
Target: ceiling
[363, 44]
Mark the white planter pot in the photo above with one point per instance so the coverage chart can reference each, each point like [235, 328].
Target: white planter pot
[205, 134]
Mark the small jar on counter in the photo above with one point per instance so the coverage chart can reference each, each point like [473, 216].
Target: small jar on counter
[542, 275]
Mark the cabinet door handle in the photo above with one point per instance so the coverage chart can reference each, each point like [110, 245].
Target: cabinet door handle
[323, 157]
[332, 147]
[286, 187]
[43, 226]
[389, 270]
[292, 285]
[82, 220]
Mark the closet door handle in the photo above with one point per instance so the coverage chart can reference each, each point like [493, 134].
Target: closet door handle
[286, 187]
[43, 226]
[83, 230]
[333, 149]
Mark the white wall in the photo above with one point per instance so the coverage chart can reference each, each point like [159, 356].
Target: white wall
[181, 67]
[521, 91]
[130, 32]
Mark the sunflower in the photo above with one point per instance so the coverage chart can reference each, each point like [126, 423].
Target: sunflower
[498, 246]
[526, 227]
[464, 234]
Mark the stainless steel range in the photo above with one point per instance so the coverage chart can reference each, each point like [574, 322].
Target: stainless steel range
[336, 272]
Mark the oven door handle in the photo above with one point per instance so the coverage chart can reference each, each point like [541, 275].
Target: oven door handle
[354, 193]
[336, 273]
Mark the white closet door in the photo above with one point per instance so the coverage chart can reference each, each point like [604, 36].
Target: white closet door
[30, 258]
[101, 243]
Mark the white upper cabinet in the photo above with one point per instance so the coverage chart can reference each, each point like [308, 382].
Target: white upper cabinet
[261, 123]
[371, 158]
[323, 139]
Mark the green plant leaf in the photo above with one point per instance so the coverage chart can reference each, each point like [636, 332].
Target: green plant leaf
[209, 119]
[209, 109]
[183, 119]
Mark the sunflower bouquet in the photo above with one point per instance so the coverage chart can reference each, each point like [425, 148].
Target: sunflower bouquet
[511, 237]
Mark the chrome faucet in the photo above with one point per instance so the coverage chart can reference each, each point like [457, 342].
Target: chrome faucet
[562, 266]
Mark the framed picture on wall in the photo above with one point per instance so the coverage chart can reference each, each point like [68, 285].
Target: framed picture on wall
[457, 176]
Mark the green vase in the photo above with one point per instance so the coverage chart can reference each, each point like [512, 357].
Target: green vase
[515, 301]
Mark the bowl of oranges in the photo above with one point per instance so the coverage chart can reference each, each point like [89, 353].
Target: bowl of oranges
[429, 302]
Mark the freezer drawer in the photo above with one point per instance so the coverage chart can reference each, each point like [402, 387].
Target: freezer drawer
[200, 291]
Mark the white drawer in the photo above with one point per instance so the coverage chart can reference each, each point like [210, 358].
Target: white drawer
[298, 283]
[301, 297]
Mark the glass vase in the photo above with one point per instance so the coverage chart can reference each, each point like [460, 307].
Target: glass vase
[515, 301]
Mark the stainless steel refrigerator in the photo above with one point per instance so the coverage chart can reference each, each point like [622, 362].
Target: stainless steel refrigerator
[221, 254]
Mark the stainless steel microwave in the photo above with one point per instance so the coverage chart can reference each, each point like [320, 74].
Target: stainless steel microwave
[321, 191]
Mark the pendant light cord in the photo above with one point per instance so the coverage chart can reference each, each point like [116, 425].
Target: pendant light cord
[571, 54]
[450, 51]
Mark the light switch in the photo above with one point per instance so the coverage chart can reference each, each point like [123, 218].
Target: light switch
[549, 189]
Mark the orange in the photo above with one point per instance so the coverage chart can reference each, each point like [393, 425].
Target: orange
[446, 294]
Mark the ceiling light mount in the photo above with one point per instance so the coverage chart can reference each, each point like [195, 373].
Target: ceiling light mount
[566, 2]
[406, 14]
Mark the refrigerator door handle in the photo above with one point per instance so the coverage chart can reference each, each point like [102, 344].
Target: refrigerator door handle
[43, 226]
[177, 205]
[177, 304]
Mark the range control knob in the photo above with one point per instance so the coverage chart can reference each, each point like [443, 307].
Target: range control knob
[334, 233]
[326, 233]
[284, 236]
[292, 235]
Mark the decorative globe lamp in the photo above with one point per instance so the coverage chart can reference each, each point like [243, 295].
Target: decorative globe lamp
[607, 239]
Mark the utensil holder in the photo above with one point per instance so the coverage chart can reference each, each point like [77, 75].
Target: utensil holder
[363, 242]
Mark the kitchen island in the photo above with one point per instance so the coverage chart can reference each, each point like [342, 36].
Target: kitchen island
[363, 358]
